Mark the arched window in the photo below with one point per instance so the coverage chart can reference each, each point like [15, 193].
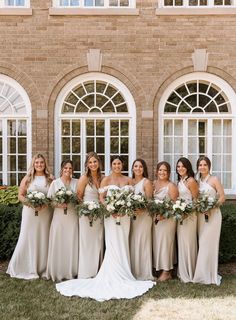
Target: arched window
[15, 131]
[197, 117]
[95, 112]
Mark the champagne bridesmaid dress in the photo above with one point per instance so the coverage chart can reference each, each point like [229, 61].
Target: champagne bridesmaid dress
[141, 241]
[164, 238]
[209, 237]
[29, 259]
[90, 239]
[187, 240]
[63, 251]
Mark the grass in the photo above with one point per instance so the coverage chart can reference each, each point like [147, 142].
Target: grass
[39, 300]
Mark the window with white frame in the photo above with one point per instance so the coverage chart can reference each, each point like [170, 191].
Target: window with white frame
[196, 3]
[197, 117]
[15, 131]
[15, 3]
[95, 112]
[94, 3]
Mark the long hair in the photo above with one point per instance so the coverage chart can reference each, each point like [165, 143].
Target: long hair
[145, 169]
[208, 162]
[88, 171]
[64, 163]
[187, 164]
[31, 171]
[166, 164]
[116, 156]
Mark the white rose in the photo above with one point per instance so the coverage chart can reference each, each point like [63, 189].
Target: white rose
[30, 196]
[60, 193]
[128, 204]
[69, 193]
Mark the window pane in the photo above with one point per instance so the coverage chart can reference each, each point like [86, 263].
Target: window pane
[0, 145]
[124, 127]
[114, 145]
[178, 145]
[76, 128]
[90, 144]
[192, 128]
[216, 161]
[227, 128]
[216, 127]
[76, 162]
[65, 128]
[167, 145]
[114, 128]
[100, 127]
[11, 163]
[124, 145]
[216, 145]
[227, 180]
[178, 127]
[227, 142]
[11, 127]
[12, 179]
[100, 148]
[75, 145]
[192, 145]
[22, 128]
[202, 128]
[65, 145]
[22, 146]
[168, 128]
[89, 127]
[11, 145]
[22, 163]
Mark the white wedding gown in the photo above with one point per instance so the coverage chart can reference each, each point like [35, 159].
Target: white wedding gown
[114, 279]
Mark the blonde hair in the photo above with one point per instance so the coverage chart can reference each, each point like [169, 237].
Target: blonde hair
[88, 171]
[31, 171]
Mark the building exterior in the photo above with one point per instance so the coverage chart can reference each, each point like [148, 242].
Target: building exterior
[146, 79]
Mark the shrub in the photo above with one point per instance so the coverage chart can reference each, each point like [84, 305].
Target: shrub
[228, 233]
[10, 219]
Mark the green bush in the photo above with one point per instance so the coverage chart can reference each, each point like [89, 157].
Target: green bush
[9, 195]
[10, 219]
[228, 233]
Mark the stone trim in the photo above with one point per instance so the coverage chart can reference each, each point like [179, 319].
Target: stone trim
[93, 12]
[194, 11]
[16, 12]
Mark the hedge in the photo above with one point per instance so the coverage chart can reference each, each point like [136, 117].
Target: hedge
[10, 219]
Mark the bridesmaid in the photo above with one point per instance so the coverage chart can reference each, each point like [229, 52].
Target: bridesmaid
[63, 239]
[29, 259]
[164, 231]
[141, 227]
[187, 232]
[208, 232]
[90, 238]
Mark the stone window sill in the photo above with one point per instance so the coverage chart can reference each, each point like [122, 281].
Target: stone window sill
[194, 11]
[93, 11]
[16, 11]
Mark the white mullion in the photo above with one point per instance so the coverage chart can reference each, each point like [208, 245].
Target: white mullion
[107, 146]
[95, 135]
[185, 137]
[209, 135]
[222, 149]
[17, 150]
[83, 142]
[119, 137]
[233, 151]
[4, 151]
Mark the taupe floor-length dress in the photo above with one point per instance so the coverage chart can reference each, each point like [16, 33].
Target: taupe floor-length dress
[141, 242]
[187, 240]
[29, 259]
[91, 240]
[209, 237]
[63, 251]
[163, 238]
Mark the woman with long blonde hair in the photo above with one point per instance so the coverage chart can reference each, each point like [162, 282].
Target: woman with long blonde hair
[29, 259]
[90, 237]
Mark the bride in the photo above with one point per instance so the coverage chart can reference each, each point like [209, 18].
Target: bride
[114, 279]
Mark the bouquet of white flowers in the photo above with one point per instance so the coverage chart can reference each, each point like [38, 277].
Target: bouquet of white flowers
[182, 209]
[204, 203]
[118, 202]
[64, 196]
[138, 201]
[36, 199]
[91, 209]
[162, 208]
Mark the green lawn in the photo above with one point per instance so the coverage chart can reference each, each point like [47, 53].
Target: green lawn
[39, 300]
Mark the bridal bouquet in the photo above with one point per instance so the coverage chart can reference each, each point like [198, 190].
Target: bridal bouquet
[137, 201]
[182, 209]
[164, 208]
[204, 203]
[118, 202]
[91, 209]
[35, 199]
[64, 196]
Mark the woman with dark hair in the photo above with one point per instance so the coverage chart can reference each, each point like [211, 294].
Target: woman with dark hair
[208, 232]
[187, 230]
[114, 279]
[63, 239]
[141, 227]
[164, 230]
[90, 237]
[29, 259]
